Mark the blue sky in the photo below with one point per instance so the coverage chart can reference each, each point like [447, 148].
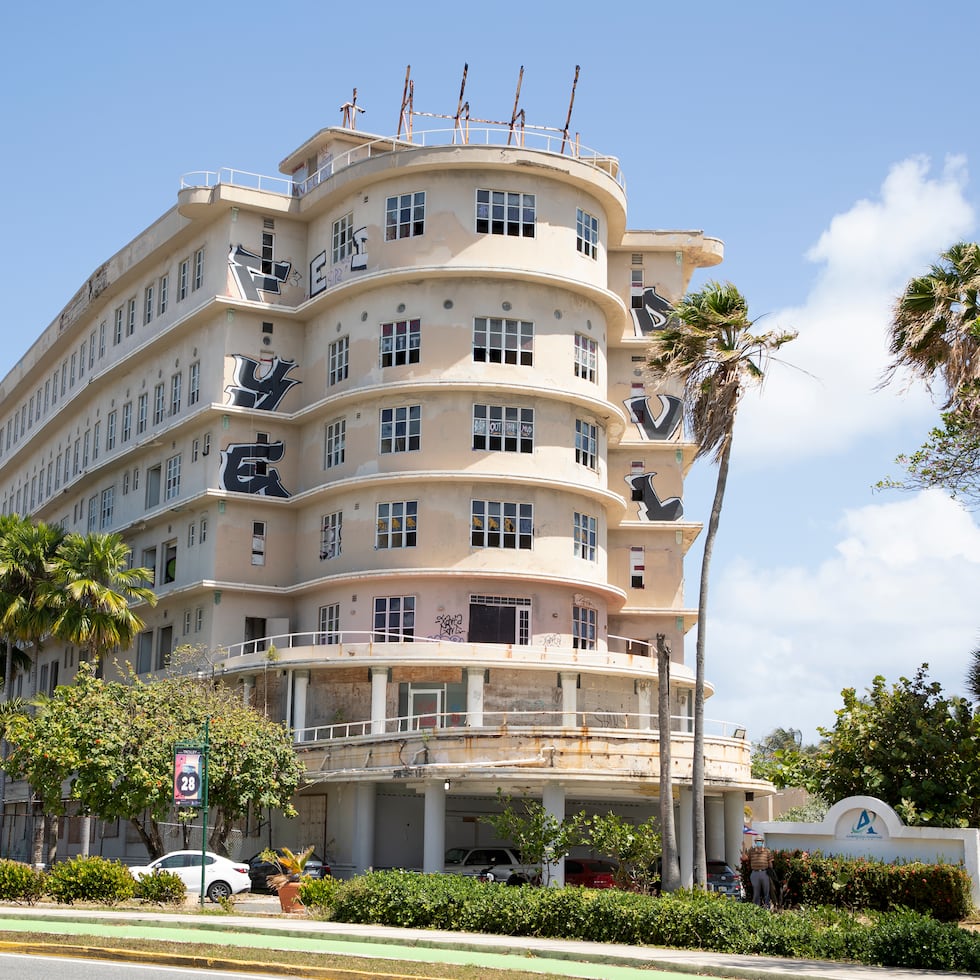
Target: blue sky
[828, 145]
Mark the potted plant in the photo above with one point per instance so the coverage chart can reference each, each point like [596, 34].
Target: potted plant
[291, 867]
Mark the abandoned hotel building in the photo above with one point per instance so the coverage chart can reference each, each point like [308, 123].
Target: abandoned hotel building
[380, 427]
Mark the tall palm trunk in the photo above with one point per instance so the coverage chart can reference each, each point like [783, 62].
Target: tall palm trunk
[670, 878]
[697, 772]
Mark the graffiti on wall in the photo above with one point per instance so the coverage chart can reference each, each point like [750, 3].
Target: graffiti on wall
[263, 391]
[652, 508]
[450, 627]
[245, 468]
[322, 274]
[255, 276]
[653, 314]
[655, 425]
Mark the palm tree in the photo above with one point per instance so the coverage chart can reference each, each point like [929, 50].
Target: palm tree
[93, 591]
[670, 879]
[973, 675]
[935, 329]
[709, 350]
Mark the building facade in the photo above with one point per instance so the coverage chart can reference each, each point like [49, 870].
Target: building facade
[381, 431]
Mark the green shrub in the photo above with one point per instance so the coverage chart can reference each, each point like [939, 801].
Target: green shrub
[161, 888]
[319, 893]
[20, 882]
[915, 942]
[90, 879]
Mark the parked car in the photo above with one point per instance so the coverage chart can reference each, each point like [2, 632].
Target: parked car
[222, 876]
[726, 880]
[259, 870]
[590, 872]
[489, 863]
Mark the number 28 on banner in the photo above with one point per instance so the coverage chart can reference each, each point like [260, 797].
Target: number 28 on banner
[188, 778]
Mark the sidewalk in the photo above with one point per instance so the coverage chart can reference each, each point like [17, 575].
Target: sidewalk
[260, 924]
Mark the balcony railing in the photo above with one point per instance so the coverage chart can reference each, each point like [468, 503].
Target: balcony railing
[541, 140]
[595, 720]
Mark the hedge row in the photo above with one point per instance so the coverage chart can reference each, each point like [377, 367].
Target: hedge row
[683, 920]
[87, 879]
[940, 890]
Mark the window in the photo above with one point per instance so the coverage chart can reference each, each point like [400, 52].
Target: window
[147, 304]
[585, 444]
[169, 562]
[176, 383]
[505, 213]
[503, 429]
[194, 383]
[108, 504]
[162, 297]
[331, 526]
[71, 383]
[159, 403]
[81, 369]
[198, 269]
[86, 445]
[172, 488]
[586, 233]
[342, 241]
[76, 457]
[400, 342]
[141, 406]
[93, 512]
[187, 621]
[636, 289]
[131, 317]
[328, 623]
[198, 619]
[127, 421]
[268, 252]
[96, 440]
[91, 351]
[583, 628]
[339, 354]
[153, 474]
[258, 542]
[206, 447]
[191, 535]
[125, 485]
[110, 431]
[149, 562]
[183, 271]
[401, 429]
[117, 329]
[585, 357]
[501, 524]
[136, 479]
[165, 646]
[584, 536]
[500, 341]
[394, 619]
[405, 216]
[102, 340]
[144, 652]
[335, 442]
[397, 524]
[203, 525]
[195, 449]
[637, 568]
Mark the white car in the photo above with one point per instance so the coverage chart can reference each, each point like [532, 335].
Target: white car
[222, 876]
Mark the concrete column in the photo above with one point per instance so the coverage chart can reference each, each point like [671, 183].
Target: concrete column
[569, 699]
[553, 801]
[301, 683]
[714, 828]
[248, 686]
[364, 810]
[434, 832]
[685, 837]
[644, 706]
[474, 697]
[734, 823]
[379, 699]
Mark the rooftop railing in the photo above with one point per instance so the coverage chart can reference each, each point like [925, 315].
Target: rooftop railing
[543, 141]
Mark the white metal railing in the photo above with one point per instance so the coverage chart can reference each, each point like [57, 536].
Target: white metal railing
[544, 141]
[595, 720]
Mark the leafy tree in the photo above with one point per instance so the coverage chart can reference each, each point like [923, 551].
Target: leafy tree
[710, 350]
[115, 744]
[635, 847]
[539, 836]
[909, 745]
[779, 744]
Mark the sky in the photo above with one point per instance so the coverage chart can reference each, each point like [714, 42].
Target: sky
[828, 145]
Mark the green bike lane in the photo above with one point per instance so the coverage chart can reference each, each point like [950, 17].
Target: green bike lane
[590, 961]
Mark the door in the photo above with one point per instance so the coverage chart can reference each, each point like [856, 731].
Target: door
[492, 624]
[425, 709]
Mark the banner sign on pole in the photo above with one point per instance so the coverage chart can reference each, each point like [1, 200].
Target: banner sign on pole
[188, 777]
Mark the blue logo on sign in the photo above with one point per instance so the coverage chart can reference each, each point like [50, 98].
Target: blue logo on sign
[865, 824]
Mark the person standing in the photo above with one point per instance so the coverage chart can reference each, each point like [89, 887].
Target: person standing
[760, 863]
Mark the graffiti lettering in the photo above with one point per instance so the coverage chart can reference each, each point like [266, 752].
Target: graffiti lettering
[651, 506]
[652, 315]
[661, 427]
[250, 275]
[450, 627]
[264, 393]
[318, 277]
[245, 468]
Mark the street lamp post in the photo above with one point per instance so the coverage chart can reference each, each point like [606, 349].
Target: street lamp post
[191, 784]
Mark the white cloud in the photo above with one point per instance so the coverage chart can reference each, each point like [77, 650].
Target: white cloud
[898, 589]
[823, 397]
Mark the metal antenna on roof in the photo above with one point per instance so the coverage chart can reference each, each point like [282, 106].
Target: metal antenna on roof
[408, 104]
[350, 110]
[461, 107]
[517, 113]
[568, 118]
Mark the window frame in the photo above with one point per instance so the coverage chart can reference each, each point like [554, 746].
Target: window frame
[495, 213]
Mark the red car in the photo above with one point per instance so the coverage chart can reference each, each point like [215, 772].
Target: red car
[590, 872]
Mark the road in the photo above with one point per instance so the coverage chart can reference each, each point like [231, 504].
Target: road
[27, 966]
